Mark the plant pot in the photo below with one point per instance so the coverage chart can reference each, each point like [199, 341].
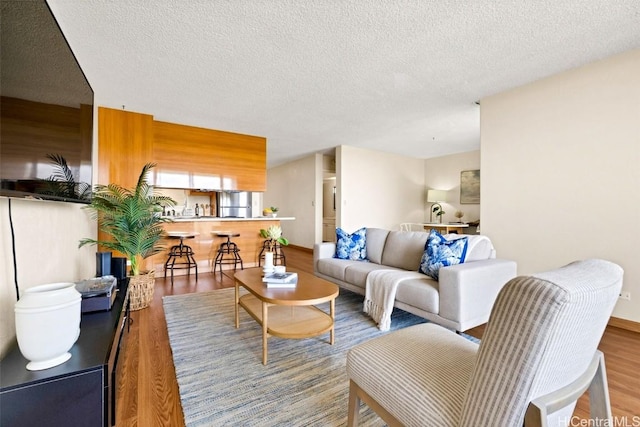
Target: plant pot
[141, 289]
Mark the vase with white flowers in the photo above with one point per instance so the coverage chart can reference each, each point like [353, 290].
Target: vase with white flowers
[273, 234]
[274, 238]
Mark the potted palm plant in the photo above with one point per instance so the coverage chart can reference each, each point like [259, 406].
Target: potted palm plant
[131, 218]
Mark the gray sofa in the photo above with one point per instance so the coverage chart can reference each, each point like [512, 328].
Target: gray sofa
[461, 299]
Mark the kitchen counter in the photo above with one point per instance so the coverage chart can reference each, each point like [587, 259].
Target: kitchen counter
[206, 242]
[225, 219]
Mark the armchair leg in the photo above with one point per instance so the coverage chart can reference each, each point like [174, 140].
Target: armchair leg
[594, 379]
[356, 394]
[599, 401]
[354, 405]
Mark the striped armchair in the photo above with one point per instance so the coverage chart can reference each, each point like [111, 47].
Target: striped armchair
[537, 356]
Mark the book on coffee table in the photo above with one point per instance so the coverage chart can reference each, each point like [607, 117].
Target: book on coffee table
[287, 285]
[281, 280]
[280, 277]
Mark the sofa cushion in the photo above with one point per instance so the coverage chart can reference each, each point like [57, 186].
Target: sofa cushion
[403, 249]
[351, 246]
[440, 252]
[376, 238]
[478, 248]
[420, 293]
[335, 267]
[356, 274]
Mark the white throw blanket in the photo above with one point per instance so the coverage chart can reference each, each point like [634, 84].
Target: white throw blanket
[380, 294]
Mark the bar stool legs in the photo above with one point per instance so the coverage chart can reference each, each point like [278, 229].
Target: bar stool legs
[228, 253]
[278, 254]
[180, 257]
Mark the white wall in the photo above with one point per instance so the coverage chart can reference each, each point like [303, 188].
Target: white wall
[296, 189]
[443, 173]
[46, 243]
[378, 189]
[374, 189]
[561, 171]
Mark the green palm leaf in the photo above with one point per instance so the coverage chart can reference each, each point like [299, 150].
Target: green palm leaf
[131, 218]
[62, 183]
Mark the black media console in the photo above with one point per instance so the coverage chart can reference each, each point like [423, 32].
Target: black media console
[79, 392]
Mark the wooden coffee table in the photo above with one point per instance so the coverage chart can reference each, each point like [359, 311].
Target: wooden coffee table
[286, 313]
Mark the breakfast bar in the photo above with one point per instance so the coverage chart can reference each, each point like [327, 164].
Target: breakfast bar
[206, 242]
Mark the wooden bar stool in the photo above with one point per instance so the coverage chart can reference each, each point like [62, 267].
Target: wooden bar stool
[181, 256]
[228, 252]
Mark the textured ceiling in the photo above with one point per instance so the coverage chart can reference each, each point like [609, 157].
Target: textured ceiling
[389, 75]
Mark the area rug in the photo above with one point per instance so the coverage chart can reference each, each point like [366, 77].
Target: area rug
[221, 377]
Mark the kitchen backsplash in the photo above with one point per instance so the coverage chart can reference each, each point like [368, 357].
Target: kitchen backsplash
[182, 195]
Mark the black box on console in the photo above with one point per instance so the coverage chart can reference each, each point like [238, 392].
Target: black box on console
[98, 294]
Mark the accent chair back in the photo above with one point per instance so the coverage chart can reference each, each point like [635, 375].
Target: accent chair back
[542, 334]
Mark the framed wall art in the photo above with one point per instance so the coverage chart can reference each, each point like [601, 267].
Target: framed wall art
[470, 187]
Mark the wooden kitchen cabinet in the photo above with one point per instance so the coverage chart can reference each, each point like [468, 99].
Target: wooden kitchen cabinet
[187, 157]
[198, 158]
[124, 146]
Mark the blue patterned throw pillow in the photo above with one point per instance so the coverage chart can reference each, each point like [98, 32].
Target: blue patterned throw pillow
[440, 252]
[351, 246]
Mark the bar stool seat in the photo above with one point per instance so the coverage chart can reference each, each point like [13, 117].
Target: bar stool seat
[278, 254]
[228, 252]
[181, 256]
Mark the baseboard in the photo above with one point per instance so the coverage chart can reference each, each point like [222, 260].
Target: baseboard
[301, 248]
[629, 325]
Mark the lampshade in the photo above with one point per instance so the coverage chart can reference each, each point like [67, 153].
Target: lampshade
[436, 196]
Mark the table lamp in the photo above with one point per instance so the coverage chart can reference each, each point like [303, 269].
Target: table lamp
[435, 197]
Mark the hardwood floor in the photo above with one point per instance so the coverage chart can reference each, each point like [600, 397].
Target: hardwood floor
[148, 392]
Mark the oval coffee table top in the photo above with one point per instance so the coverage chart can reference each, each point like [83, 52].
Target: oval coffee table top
[310, 289]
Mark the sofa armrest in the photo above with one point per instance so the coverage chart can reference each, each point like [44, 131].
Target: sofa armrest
[468, 290]
[322, 250]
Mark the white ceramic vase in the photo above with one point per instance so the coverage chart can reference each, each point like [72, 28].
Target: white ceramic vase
[48, 324]
[268, 263]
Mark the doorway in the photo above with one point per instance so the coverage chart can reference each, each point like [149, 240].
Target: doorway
[329, 207]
